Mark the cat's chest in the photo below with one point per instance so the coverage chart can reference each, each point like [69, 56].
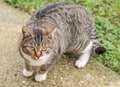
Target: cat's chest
[41, 61]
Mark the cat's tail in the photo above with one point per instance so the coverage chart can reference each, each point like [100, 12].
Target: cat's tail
[97, 49]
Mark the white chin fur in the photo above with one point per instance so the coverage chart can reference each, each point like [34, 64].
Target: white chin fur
[27, 73]
[42, 60]
[40, 77]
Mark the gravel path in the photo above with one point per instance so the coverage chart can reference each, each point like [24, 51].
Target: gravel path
[63, 74]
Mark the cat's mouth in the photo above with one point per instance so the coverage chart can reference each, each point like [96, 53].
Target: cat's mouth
[37, 57]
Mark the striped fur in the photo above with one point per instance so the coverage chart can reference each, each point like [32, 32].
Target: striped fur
[68, 17]
[62, 27]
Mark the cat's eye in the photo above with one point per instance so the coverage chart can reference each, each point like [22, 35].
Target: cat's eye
[44, 48]
[31, 48]
[25, 50]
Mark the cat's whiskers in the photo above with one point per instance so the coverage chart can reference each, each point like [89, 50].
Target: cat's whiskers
[40, 61]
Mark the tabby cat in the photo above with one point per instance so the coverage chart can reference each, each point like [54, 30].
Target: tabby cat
[57, 29]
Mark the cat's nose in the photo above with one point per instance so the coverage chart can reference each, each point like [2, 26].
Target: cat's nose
[38, 54]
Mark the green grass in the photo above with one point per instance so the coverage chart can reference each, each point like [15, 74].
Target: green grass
[27, 5]
[107, 18]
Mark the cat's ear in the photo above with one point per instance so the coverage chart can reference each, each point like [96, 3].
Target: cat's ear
[48, 32]
[25, 32]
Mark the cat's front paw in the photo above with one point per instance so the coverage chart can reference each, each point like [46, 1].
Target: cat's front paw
[27, 73]
[80, 64]
[40, 77]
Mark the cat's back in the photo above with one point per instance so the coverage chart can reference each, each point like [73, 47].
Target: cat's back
[62, 8]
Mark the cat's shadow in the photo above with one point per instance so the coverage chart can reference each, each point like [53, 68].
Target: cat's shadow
[70, 56]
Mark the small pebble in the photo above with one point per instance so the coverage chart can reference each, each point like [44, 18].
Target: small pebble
[23, 82]
[82, 81]
[61, 78]
[103, 77]
[15, 74]
[55, 76]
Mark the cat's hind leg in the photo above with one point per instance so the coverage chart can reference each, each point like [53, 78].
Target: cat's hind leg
[82, 61]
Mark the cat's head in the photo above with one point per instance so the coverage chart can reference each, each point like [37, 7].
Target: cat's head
[36, 42]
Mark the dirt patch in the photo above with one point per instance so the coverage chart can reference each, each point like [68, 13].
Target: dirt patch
[63, 74]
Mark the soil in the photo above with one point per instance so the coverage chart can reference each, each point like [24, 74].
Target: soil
[63, 74]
